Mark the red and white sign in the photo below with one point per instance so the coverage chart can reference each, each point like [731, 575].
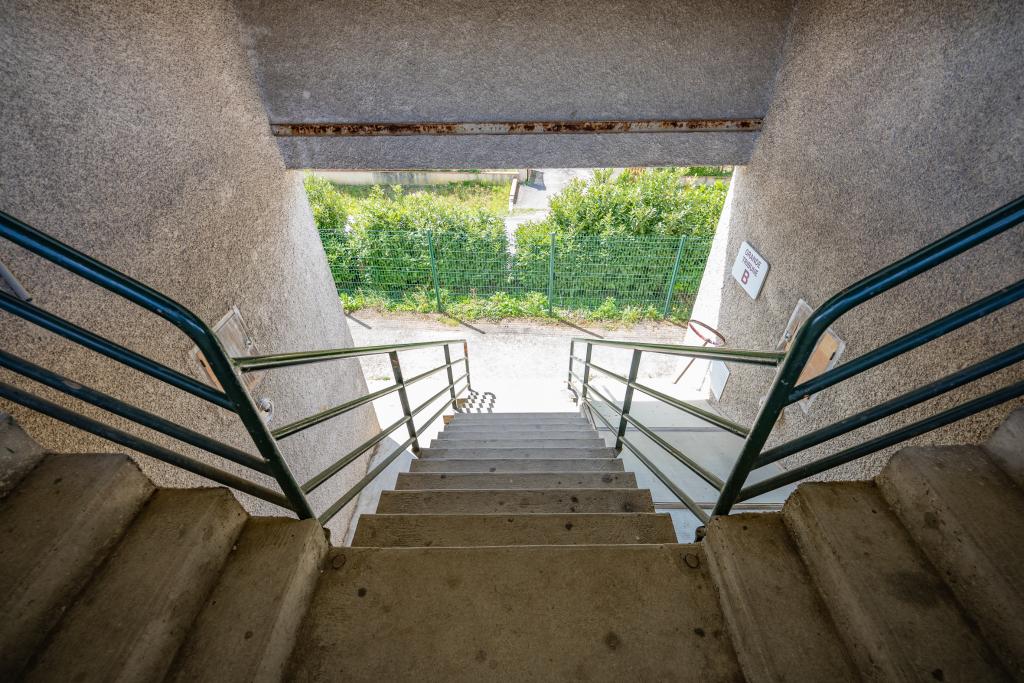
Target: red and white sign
[749, 270]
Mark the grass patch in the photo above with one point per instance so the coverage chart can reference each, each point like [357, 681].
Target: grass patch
[470, 194]
[502, 306]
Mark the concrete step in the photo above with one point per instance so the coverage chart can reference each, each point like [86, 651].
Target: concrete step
[56, 528]
[461, 428]
[508, 435]
[131, 619]
[510, 417]
[425, 481]
[898, 619]
[247, 629]
[517, 452]
[780, 627]
[1006, 446]
[512, 500]
[478, 444]
[518, 465]
[638, 612]
[512, 529]
[967, 516]
[19, 454]
[489, 421]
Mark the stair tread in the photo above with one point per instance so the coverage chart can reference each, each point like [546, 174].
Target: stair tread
[462, 428]
[137, 609]
[517, 452]
[967, 516]
[247, 628]
[509, 435]
[501, 442]
[780, 627]
[484, 465]
[463, 530]
[898, 619]
[446, 501]
[57, 527]
[514, 480]
[635, 612]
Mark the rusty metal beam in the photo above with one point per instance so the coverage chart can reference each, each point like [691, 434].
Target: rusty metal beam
[335, 130]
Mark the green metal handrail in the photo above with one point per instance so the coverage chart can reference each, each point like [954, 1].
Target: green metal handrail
[785, 391]
[233, 397]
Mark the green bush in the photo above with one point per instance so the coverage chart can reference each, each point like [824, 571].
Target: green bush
[617, 239]
[616, 242]
[386, 250]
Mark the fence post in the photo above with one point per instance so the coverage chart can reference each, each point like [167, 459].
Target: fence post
[551, 275]
[675, 275]
[433, 270]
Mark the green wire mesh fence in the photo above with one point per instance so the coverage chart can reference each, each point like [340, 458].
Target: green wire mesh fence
[429, 271]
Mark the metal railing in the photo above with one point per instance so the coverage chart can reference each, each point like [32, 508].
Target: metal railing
[232, 394]
[785, 389]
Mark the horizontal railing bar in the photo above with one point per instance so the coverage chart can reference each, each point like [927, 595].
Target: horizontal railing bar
[84, 266]
[920, 395]
[130, 412]
[380, 467]
[141, 445]
[910, 341]
[953, 244]
[676, 491]
[428, 373]
[698, 469]
[771, 358]
[593, 410]
[339, 504]
[446, 388]
[104, 346]
[910, 431]
[281, 360]
[610, 403]
[307, 422]
[343, 462]
[718, 421]
[577, 359]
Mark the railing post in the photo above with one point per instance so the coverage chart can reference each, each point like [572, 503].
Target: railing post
[572, 352]
[627, 400]
[433, 270]
[396, 369]
[465, 354]
[675, 275]
[551, 276]
[586, 370]
[451, 375]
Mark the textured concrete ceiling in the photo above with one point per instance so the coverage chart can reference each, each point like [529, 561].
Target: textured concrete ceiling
[399, 61]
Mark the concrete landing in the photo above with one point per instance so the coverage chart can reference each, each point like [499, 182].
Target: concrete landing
[597, 613]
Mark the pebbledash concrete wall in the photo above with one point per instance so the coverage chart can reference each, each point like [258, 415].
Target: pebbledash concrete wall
[135, 132]
[891, 125]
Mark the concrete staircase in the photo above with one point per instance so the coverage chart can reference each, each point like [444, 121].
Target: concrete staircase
[517, 548]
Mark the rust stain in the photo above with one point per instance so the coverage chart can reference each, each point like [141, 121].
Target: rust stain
[515, 128]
